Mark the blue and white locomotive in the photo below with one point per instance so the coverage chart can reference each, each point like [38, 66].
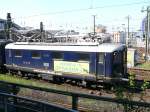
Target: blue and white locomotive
[88, 63]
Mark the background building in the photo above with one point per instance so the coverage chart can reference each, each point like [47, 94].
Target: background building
[119, 37]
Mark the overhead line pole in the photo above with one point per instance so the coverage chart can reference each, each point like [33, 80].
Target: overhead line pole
[148, 29]
[41, 31]
[128, 30]
[9, 25]
[147, 33]
[94, 24]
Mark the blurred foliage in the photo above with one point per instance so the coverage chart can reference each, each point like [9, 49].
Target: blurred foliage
[131, 80]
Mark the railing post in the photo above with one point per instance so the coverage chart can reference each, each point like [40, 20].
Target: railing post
[5, 104]
[14, 91]
[74, 102]
[126, 107]
[44, 108]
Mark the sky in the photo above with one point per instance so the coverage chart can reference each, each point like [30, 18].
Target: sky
[75, 14]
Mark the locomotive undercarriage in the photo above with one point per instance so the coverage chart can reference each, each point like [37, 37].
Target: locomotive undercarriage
[79, 80]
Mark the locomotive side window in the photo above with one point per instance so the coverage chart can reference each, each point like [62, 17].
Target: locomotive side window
[17, 53]
[35, 54]
[1, 25]
[83, 57]
[57, 55]
[9, 53]
[117, 57]
[100, 58]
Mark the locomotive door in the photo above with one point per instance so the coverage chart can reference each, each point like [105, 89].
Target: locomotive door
[9, 59]
[100, 64]
[118, 64]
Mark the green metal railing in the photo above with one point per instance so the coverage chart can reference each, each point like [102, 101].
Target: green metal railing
[75, 96]
[13, 103]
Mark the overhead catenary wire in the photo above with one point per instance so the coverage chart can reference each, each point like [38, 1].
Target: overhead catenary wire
[87, 9]
[84, 9]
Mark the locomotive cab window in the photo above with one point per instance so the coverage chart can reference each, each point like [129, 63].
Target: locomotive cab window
[2, 26]
[100, 58]
[83, 57]
[17, 53]
[35, 54]
[117, 56]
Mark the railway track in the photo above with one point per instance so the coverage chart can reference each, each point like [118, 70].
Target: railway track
[84, 105]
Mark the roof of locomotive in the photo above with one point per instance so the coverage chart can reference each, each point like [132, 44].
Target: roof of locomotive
[104, 47]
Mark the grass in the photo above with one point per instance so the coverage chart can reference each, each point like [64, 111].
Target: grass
[32, 82]
[19, 80]
[145, 65]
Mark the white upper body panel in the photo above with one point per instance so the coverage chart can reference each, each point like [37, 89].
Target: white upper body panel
[105, 47]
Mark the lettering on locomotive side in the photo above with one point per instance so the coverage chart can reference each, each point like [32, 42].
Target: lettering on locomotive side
[71, 67]
[46, 64]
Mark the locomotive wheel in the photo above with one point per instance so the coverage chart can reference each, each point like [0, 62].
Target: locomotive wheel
[88, 84]
[19, 73]
[57, 79]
